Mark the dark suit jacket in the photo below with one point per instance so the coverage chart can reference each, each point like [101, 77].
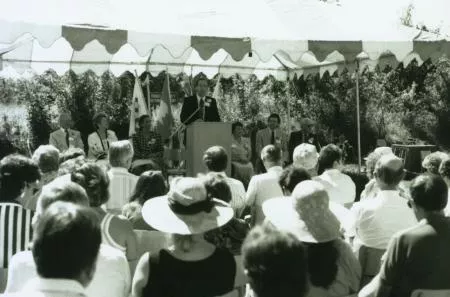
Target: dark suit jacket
[297, 137]
[190, 106]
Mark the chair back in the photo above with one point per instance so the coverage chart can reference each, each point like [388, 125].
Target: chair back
[430, 293]
[370, 260]
[150, 241]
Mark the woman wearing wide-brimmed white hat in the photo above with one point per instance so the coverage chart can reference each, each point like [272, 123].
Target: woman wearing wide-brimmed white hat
[333, 269]
[191, 266]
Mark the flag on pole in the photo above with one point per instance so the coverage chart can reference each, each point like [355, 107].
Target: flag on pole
[147, 84]
[164, 118]
[138, 107]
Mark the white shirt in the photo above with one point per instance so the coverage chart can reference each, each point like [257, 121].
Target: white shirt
[261, 188]
[340, 187]
[111, 279]
[49, 287]
[237, 194]
[447, 208]
[121, 187]
[378, 219]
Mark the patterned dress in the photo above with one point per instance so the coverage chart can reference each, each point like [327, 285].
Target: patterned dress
[148, 145]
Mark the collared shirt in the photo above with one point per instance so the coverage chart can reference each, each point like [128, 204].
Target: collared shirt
[237, 193]
[148, 145]
[15, 231]
[261, 188]
[111, 279]
[378, 219]
[121, 187]
[340, 187]
[49, 287]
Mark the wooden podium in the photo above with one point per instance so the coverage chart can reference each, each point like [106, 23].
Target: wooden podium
[202, 135]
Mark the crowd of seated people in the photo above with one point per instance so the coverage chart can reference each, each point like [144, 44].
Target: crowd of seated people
[73, 226]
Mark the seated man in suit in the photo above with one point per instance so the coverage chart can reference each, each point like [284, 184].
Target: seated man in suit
[270, 135]
[306, 134]
[65, 137]
[199, 107]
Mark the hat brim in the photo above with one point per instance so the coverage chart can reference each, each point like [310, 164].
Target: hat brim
[157, 213]
[281, 213]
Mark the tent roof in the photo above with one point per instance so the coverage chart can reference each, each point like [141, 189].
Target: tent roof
[284, 37]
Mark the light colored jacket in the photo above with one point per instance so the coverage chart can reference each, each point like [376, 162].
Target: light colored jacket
[95, 144]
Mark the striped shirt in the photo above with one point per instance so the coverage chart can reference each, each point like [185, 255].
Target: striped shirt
[121, 186]
[15, 231]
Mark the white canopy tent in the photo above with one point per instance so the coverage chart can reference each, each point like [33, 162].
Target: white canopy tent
[262, 37]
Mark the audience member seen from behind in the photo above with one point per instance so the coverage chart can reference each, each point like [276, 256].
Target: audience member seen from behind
[432, 162]
[122, 183]
[241, 166]
[64, 271]
[290, 177]
[17, 175]
[275, 263]
[378, 219]
[150, 184]
[371, 188]
[112, 276]
[215, 159]
[417, 258]
[100, 140]
[444, 171]
[47, 158]
[305, 156]
[265, 186]
[340, 187]
[181, 270]
[333, 268]
[116, 231]
[231, 235]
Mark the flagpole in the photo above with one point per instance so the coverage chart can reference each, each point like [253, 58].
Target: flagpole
[148, 97]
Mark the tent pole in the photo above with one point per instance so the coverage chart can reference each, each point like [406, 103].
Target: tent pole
[358, 124]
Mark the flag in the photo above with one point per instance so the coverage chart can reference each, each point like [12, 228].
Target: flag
[146, 83]
[164, 118]
[218, 94]
[138, 107]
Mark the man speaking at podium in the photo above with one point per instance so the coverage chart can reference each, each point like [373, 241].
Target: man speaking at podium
[199, 107]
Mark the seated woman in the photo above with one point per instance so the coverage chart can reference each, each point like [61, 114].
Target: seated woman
[191, 266]
[147, 144]
[242, 168]
[100, 139]
[116, 232]
[333, 269]
[150, 184]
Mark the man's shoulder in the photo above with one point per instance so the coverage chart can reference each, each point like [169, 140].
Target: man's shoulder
[235, 182]
[108, 253]
[22, 259]
[190, 98]
[56, 132]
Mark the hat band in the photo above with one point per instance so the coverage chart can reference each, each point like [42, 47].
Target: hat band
[194, 208]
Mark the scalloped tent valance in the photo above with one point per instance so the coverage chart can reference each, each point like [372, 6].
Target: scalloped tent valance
[246, 37]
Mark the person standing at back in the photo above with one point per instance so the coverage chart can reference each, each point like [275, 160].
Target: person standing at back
[65, 137]
[265, 186]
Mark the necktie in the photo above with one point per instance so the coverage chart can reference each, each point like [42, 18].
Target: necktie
[202, 109]
[272, 139]
[67, 137]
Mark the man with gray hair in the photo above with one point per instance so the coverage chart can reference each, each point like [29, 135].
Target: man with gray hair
[379, 218]
[47, 158]
[112, 276]
[65, 137]
[122, 183]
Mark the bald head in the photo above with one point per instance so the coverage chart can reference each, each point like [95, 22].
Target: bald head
[389, 170]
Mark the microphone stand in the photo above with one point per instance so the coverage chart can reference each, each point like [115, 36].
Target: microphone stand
[183, 124]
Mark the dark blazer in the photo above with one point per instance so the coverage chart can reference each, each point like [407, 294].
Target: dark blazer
[190, 105]
[297, 137]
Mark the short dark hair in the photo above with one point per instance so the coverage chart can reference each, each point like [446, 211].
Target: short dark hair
[389, 175]
[327, 156]
[275, 262]
[235, 125]
[15, 171]
[95, 181]
[150, 184]
[142, 119]
[199, 79]
[429, 192]
[275, 116]
[217, 187]
[62, 190]
[98, 118]
[271, 153]
[291, 176]
[215, 158]
[66, 241]
[444, 168]
[47, 158]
